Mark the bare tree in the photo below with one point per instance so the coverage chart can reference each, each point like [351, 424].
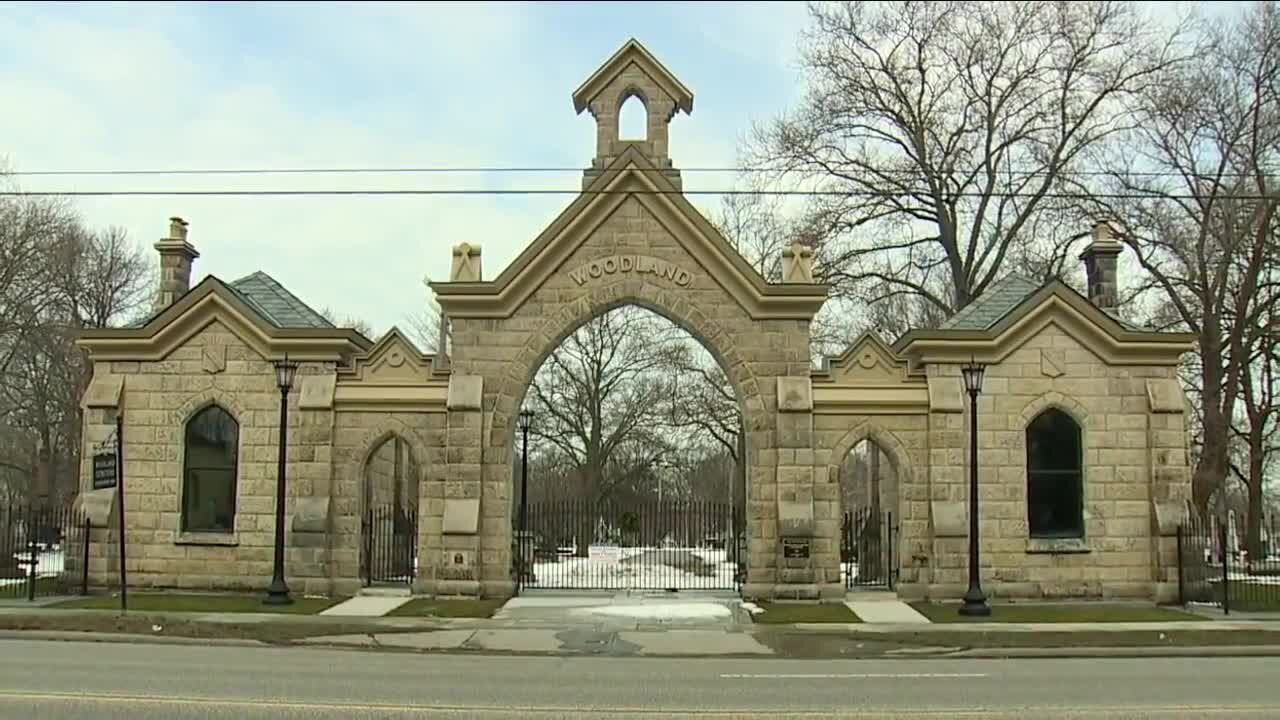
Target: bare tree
[939, 134]
[360, 325]
[1196, 189]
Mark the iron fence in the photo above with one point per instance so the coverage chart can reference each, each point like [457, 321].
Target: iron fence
[43, 550]
[390, 545]
[668, 546]
[866, 549]
[1215, 568]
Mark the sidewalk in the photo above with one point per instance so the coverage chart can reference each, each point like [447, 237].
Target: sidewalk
[543, 628]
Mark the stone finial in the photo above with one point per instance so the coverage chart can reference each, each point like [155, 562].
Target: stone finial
[1100, 264]
[466, 263]
[797, 263]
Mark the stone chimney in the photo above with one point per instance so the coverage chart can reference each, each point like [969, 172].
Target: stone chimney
[176, 256]
[1100, 267]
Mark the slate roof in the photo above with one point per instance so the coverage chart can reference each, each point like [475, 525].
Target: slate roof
[988, 308]
[278, 306]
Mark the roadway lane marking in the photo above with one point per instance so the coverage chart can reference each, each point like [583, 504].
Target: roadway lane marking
[849, 676]
[699, 713]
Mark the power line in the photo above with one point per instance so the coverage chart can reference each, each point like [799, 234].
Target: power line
[444, 170]
[575, 191]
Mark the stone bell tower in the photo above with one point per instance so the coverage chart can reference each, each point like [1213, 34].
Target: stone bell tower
[632, 72]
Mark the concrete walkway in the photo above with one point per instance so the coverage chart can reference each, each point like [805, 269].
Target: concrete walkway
[367, 605]
[887, 610]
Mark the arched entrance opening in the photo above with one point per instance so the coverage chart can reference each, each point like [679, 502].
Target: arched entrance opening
[868, 531]
[635, 477]
[389, 514]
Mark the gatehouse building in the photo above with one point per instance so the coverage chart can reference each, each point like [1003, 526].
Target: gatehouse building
[1082, 445]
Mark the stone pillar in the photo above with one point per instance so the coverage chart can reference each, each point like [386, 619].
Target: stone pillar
[457, 562]
[947, 486]
[1170, 481]
[176, 258]
[1100, 259]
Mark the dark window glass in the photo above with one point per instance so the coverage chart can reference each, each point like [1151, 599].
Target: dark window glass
[1055, 491]
[209, 472]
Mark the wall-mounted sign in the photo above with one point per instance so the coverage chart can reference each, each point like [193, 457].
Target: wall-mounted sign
[795, 549]
[106, 471]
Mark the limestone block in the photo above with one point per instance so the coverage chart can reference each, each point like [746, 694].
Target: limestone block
[104, 391]
[795, 394]
[461, 516]
[310, 514]
[950, 518]
[795, 518]
[317, 392]
[1167, 516]
[465, 392]
[97, 505]
[945, 394]
[1165, 395]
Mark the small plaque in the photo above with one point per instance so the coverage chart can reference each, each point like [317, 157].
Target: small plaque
[795, 549]
[105, 473]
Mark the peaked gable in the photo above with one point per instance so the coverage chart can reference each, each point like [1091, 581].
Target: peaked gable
[867, 361]
[631, 175]
[394, 359]
[215, 301]
[1054, 303]
[632, 53]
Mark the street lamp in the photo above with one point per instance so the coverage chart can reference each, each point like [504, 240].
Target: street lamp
[975, 603]
[526, 423]
[278, 591]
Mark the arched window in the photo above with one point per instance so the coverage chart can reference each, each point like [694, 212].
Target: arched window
[212, 442]
[1055, 488]
[633, 118]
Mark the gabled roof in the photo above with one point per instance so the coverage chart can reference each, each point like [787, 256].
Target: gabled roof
[630, 175]
[276, 304]
[215, 301]
[998, 325]
[987, 309]
[632, 52]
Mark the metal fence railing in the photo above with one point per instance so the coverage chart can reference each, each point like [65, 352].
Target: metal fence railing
[389, 552]
[867, 559]
[668, 546]
[43, 550]
[1215, 568]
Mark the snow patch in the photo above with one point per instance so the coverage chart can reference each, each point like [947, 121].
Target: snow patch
[752, 608]
[664, 611]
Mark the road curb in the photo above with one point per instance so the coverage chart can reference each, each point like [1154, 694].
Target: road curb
[1116, 652]
[112, 637]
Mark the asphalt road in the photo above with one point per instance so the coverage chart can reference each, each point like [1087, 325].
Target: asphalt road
[62, 680]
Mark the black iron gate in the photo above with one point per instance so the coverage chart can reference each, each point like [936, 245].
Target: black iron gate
[42, 550]
[666, 546]
[867, 557]
[390, 545]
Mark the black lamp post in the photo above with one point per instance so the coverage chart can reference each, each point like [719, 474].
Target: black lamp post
[278, 591]
[975, 603]
[526, 422]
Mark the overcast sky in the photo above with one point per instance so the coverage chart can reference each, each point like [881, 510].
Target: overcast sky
[102, 87]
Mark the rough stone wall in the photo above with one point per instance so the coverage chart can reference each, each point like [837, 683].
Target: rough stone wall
[1110, 404]
[159, 398]
[507, 352]
[361, 437]
[903, 441]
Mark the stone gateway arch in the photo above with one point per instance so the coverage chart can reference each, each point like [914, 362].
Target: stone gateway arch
[374, 422]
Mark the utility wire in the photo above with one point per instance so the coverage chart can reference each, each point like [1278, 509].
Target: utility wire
[574, 191]
[412, 170]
